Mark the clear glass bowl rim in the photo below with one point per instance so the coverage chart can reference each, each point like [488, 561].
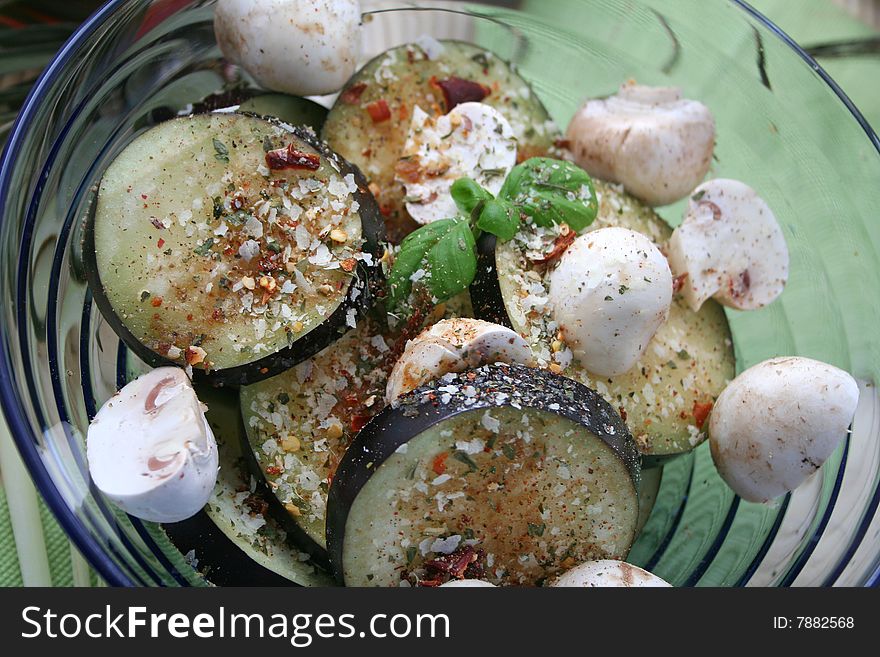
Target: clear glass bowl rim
[10, 403]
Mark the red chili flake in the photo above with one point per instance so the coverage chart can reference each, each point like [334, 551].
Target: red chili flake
[358, 422]
[678, 282]
[144, 196]
[291, 158]
[464, 562]
[701, 412]
[352, 95]
[438, 465]
[348, 264]
[273, 470]
[560, 246]
[622, 411]
[156, 302]
[385, 210]
[379, 111]
[156, 223]
[562, 143]
[256, 504]
[409, 170]
[160, 243]
[457, 91]
[189, 318]
[740, 285]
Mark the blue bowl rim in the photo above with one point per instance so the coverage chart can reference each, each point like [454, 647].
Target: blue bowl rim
[9, 398]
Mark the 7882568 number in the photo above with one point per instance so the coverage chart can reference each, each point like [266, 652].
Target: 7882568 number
[825, 622]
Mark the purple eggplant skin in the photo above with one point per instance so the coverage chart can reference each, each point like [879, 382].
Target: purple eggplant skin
[367, 284]
[416, 412]
[221, 561]
[486, 297]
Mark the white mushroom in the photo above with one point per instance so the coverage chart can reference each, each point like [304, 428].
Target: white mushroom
[609, 294]
[472, 140]
[150, 449]
[777, 423]
[300, 47]
[467, 583]
[656, 143]
[454, 345]
[729, 246]
[608, 572]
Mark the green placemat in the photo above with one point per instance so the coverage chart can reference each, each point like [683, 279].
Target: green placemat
[807, 21]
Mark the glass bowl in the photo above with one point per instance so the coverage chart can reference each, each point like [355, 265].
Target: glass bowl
[784, 127]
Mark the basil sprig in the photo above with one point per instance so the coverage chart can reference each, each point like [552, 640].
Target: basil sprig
[444, 251]
[552, 192]
[547, 190]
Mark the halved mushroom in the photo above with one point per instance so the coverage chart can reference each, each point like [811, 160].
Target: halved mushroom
[472, 140]
[467, 583]
[151, 450]
[608, 572]
[730, 247]
[300, 47]
[778, 422]
[609, 294]
[656, 143]
[454, 345]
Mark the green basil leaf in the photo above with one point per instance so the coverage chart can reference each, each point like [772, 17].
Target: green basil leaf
[552, 191]
[501, 218]
[221, 153]
[452, 262]
[467, 195]
[427, 234]
[413, 251]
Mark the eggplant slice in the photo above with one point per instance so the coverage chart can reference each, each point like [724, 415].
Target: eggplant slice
[503, 473]
[370, 121]
[239, 539]
[200, 254]
[666, 397]
[293, 110]
[300, 423]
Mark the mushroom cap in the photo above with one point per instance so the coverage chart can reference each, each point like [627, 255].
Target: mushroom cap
[730, 246]
[473, 140]
[151, 450]
[467, 583]
[300, 47]
[609, 294]
[778, 422]
[650, 139]
[454, 345]
[608, 572]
